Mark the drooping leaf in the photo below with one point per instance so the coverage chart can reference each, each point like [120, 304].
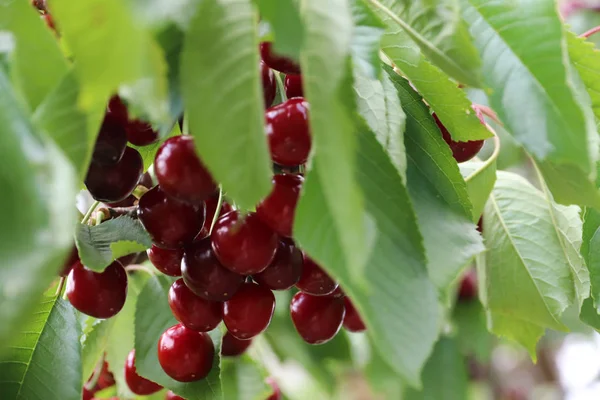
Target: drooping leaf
[100, 245]
[480, 178]
[589, 314]
[382, 379]
[590, 250]
[243, 379]
[94, 341]
[472, 336]
[586, 59]
[224, 99]
[284, 18]
[366, 37]
[43, 360]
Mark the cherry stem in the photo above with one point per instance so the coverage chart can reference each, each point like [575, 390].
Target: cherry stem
[590, 32]
[89, 212]
[491, 159]
[487, 111]
[61, 285]
[280, 87]
[139, 191]
[217, 211]
[96, 375]
[135, 267]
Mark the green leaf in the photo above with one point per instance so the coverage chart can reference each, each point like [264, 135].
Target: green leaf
[445, 374]
[94, 341]
[536, 101]
[157, 13]
[43, 361]
[37, 61]
[284, 18]
[472, 336]
[438, 193]
[100, 245]
[586, 59]
[382, 379]
[243, 379]
[226, 115]
[589, 314]
[533, 255]
[366, 37]
[152, 317]
[438, 29]
[38, 219]
[569, 185]
[590, 250]
[480, 178]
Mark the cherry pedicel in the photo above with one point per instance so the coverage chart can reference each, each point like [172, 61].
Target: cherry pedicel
[111, 141]
[232, 346]
[293, 86]
[205, 275]
[276, 395]
[97, 294]
[352, 320]
[185, 355]
[243, 244]
[140, 133]
[285, 269]
[211, 208]
[468, 286]
[268, 83]
[170, 223]
[461, 151]
[317, 318]
[111, 183]
[193, 311]
[314, 280]
[278, 208]
[278, 63]
[136, 383]
[288, 132]
[173, 396]
[167, 261]
[249, 311]
[180, 172]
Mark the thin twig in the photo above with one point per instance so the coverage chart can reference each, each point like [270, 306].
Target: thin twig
[590, 32]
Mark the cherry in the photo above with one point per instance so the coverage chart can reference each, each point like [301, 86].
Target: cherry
[461, 151]
[170, 223]
[232, 346]
[278, 208]
[243, 244]
[352, 320]
[338, 293]
[49, 21]
[205, 276]
[317, 318]
[193, 311]
[136, 383]
[278, 63]
[118, 110]
[167, 261]
[140, 133]
[111, 141]
[173, 396]
[129, 201]
[70, 262]
[110, 183]
[268, 83]
[87, 394]
[480, 225]
[211, 208]
[314, 280]
[276, 395]
[468, 286]
[293, 86]
[39, 4]
[288, 132]
[249, 311]
[184, 354]
[285, 269]
[180, 172]
[97, 294]
[105, 379]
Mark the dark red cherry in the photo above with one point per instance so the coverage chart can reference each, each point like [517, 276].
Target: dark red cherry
[129, 201]
[293, 86]
[117, 109]
[87, 394]
[193, 311]
[352, 320]
[480, 225]
[468, 286]
[243, 244]
[170, 223]
[317, 318]
[180, 172]
[140, 133]
[278, 63]
[97, 294]
[268, 83]
[136, 383]
[184, 354]
[314, 280]
[338, 293]
[111, 141]
[211, 208]
[278, 208]
[461, 151]
[167, 261]
[205, 275]
[173, 396]
[111, 183]
[249, 311]
[288, 132]
[285, 269]
[106, 378]
[232, 346]
[276, 395]
[70, 262]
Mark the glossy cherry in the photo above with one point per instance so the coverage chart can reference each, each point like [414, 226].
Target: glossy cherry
[317, 318]
[180, 172]
[173, 396]
[276, 395]
[232, 346]
[288, 132]
[69, 262]
[167, 261]
[352, 321]
[278, 208]
[314, 280]
[87, 394]
[293, 86]
[285, 269]
[111, 141]
[205, 275]
[278, 63]
[211, 208]
[249, 311]
[97, 294]
[461, 151]
[136, 383]
[184, 354]
[140, 133]
[170, 223]
[338, 293]
[268, 83]
[110, 183]
[193, 311]
[117, 109]
[468, 286]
